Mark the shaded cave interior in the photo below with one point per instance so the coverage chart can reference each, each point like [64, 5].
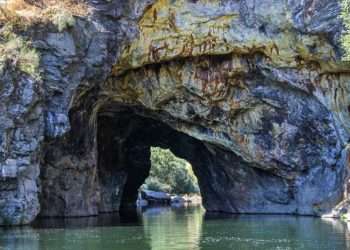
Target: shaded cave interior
[124, 141]
[105, 176]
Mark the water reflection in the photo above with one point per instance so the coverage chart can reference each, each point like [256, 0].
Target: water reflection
[274, 232]
[161, 224]
[174, 229]
[24, 238]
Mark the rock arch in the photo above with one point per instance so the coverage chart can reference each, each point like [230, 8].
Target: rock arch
[278, 151]
[255, 92]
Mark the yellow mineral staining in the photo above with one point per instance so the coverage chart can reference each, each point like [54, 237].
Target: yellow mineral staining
[334, 92]
[215, 77]
[120, 90]
[172, 29]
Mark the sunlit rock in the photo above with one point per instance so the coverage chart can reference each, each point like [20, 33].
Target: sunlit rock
[252, 93]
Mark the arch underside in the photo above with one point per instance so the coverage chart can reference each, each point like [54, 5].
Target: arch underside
[254, 95]
[256, 143]
[107, 178]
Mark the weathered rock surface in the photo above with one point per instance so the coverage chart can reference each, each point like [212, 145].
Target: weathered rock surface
[155, 197]
[252, 93]
[22, 128]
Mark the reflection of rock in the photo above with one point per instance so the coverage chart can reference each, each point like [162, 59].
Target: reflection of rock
[185, 200]
[20, 238]
[342, 228]
[252, 93]
[141, 202]
[273, 232]
[178, 200]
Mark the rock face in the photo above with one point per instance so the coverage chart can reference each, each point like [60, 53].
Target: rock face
[252, 93]
[22, 127]
[156, 197]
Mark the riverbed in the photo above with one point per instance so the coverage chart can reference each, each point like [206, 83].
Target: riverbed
[165, 228]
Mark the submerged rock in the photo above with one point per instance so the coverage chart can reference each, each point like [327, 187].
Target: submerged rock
[252, 93]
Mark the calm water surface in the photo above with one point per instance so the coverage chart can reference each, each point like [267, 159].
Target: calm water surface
[175, 229]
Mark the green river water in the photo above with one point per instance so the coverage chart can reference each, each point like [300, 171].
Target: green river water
[178, 229]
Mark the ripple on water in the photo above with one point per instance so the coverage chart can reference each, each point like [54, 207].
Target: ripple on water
[180, 229]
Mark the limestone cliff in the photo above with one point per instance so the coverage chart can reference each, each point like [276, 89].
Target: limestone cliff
[253, 93]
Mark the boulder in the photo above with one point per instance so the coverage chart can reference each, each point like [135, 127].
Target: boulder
[153, 197]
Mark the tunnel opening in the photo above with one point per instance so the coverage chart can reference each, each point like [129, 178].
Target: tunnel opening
[171, 181]
[106, 176]
[126, 140]
[227, 182]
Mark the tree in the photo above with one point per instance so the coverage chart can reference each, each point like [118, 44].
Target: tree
[170, 173]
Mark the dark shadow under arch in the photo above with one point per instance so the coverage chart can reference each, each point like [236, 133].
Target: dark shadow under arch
[124, 143]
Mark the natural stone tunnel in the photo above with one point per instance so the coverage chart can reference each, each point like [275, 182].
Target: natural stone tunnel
[252, 93]
[227, 182]
[124, 140]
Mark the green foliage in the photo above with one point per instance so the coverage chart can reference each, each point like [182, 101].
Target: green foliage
[344, 217]
[154, 184]
[170, 174]
[345, 15]
[17, 52]
[62, 19]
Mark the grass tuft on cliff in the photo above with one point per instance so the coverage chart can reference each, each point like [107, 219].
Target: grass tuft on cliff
[18, 53]
[17, 17]
[61, 18]
[22, 13]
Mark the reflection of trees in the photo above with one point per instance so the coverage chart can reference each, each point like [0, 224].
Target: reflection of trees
[173, 229]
